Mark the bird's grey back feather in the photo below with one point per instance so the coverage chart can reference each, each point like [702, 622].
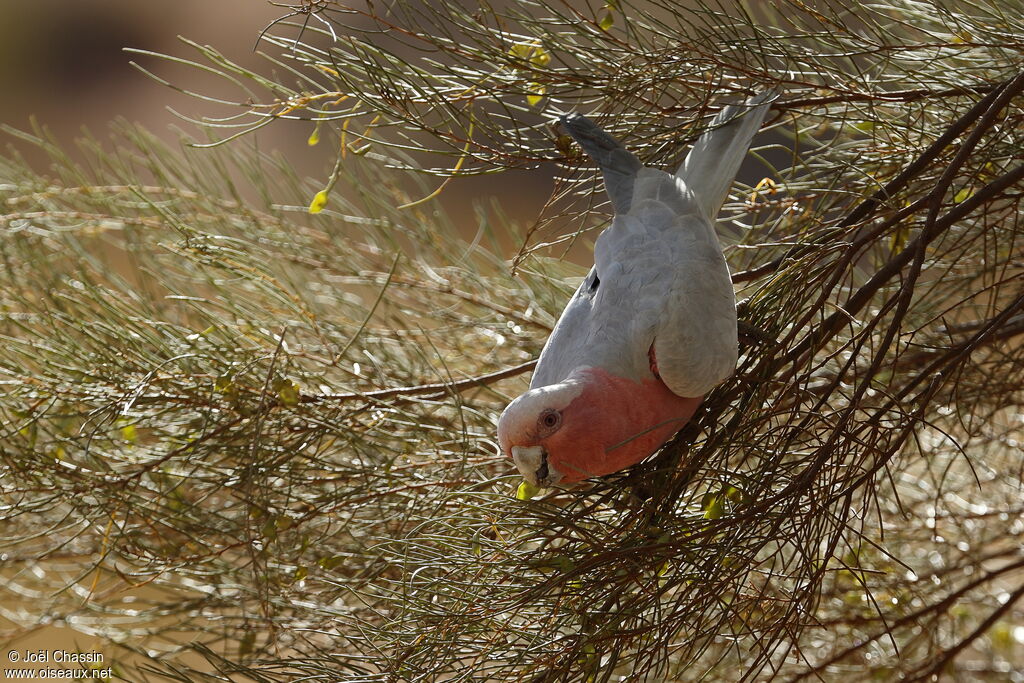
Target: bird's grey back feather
[711, 166]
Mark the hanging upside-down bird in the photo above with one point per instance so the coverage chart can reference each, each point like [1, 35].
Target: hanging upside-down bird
[652, 328]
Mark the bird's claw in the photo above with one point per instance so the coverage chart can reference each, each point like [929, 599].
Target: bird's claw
[750, 335]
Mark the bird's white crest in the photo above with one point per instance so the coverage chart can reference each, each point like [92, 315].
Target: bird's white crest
[520, 420]
[521, 414]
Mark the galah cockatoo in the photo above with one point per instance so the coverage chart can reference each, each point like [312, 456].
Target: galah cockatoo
[652, 328]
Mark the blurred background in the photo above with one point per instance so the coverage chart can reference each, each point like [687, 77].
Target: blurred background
[63, 63]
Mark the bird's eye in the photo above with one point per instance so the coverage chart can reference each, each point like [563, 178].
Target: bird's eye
[550, 419]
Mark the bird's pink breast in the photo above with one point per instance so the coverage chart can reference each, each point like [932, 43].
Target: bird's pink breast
[617, 422]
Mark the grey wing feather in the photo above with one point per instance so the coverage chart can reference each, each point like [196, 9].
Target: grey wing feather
[695, 343]
[696, 346]
[617, 164]
[567, 343]
[710, 168]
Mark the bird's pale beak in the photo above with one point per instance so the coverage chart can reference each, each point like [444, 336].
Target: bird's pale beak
[532, 463]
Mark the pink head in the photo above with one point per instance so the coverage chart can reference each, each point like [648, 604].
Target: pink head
[590, 424]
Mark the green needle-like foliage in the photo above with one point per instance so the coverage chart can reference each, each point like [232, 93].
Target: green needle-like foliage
[250, 417]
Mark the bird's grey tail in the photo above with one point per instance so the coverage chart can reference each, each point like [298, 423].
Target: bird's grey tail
[711, 166]
[618, 166]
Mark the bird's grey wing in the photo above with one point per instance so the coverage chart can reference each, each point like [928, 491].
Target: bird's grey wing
[618, 166]
[695, 344]
[588, 330]
[565, 349]
[611, 319]
[710, 168]
[652, 267]
[667, 288]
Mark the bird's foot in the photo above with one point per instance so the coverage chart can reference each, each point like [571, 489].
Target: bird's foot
[751, 335]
